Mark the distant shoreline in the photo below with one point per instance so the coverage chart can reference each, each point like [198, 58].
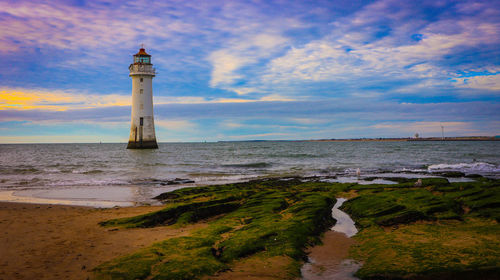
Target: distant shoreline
[473, 138]
[458, 138]
[363, 139]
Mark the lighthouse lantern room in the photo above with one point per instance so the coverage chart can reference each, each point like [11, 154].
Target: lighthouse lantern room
[142, 128]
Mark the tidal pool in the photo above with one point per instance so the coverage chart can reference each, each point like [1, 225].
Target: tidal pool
[329, 260]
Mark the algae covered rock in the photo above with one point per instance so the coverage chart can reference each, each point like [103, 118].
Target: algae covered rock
[265, 217]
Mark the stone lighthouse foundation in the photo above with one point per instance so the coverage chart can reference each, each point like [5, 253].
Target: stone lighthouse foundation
[142, 128]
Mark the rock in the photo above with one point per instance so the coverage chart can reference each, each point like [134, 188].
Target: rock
[418, 183]
[452, 174]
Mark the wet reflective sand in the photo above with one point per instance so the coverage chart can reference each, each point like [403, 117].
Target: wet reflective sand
[329, 260]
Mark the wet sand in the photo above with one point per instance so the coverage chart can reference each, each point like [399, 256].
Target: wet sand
[329, 260]
[40, 241]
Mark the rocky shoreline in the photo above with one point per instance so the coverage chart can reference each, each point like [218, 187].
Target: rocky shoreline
[268, 218]
[263, 229]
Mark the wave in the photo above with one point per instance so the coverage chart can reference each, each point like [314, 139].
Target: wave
[38, 181]
[93, 171]
[65, 165]
[20, 170]
[96, 171]
[475, 167]
[250, 165]
[86, 182]
[161, 182]
[298, 156]
[26, 170]
[155, 164]
[410, 170]
[354, 171]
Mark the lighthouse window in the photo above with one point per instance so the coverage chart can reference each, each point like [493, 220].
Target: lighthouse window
[142, 59]
[141, 121]
[142, 80]
[141, 91]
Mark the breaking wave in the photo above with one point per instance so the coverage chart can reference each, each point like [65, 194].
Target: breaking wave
[475, 167]
[250, 165]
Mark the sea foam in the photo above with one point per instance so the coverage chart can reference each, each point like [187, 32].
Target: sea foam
[475, 167]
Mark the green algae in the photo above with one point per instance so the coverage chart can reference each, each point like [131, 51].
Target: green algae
[440, 230]
[425, 250]
[267, 217]
[437, 230]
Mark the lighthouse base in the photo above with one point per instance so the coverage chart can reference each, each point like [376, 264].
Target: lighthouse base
[142, 145]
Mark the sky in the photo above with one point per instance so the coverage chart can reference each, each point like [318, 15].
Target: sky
[244, 70]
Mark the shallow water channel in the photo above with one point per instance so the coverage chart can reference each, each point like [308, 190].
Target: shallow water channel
[329, 260]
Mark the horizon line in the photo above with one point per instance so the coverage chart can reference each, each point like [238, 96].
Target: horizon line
[430, 138]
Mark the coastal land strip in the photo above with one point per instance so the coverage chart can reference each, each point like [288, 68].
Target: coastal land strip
[262, 229]
[381, 139]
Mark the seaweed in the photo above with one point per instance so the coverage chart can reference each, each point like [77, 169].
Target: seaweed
[268, 217]
[440, 230]
[432, 230]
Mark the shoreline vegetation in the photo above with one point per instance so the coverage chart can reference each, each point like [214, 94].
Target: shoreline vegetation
[263, 229]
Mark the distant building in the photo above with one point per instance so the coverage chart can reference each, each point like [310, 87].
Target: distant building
[142, 128]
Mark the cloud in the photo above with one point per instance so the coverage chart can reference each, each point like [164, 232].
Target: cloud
[229, 68]
[224, 65]
[354, 55]
[57, 100]
[175, 124]
[231, 124]
[256, 35]
[93, 26]
[487, 82]
[309, 121]
[266, 120]
[242, 51]
[276, 97]
[273, 135]
[256, 49]
[348, 111]
[57, 138]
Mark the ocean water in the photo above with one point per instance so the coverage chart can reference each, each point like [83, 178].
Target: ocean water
[109, 173]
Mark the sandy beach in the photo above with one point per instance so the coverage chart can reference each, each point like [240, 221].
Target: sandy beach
[250, 231]
[44, 241]
[41, 241]
[47, 241]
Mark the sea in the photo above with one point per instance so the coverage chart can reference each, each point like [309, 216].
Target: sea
[107, 175]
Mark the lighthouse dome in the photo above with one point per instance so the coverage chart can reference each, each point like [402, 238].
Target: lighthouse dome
[142, 52]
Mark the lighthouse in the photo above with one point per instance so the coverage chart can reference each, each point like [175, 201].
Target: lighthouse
[142, 128]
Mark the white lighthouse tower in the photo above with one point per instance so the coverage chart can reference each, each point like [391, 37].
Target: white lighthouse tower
[142, 128]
